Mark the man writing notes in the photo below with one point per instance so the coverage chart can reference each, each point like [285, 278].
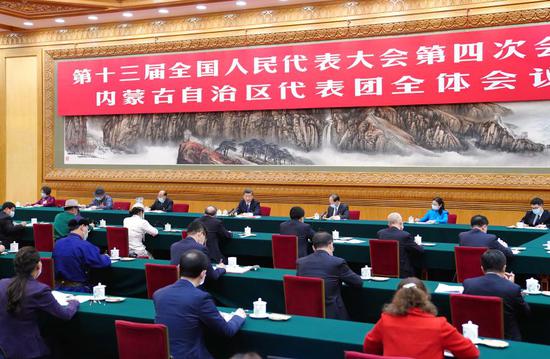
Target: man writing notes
[215, 233]
[248, 204]
[478, 237]
[333, 270]
[162, 203]
[188, 311]
[537, 216]
[297, 227]
[61, 221]
[336, 209]
[101, 200]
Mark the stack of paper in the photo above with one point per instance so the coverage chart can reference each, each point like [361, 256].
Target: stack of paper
[451, 289]
[237, 269]
[63, 298]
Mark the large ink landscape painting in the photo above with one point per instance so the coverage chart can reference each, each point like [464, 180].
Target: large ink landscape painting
[476, 135]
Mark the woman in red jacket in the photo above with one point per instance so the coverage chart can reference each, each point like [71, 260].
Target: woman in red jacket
[409, 327]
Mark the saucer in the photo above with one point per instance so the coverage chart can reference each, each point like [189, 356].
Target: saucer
[115, 299]
[546, 293]
[279, 317]
[531, 293]
[379, 279]
[262, 316]
[428, 244]
[98, 298]
[127, 259]
[493, 343]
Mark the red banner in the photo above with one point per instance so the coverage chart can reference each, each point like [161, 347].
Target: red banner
[495, 65]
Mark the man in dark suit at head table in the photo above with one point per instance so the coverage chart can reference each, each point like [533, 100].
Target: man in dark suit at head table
[497, 283]
[298, 228]
[196, 239]
[478, 237]
[215, 233]
[336, 209]
[537, 216]
[162, 203]
[409, 252]
[189, 312]
[248, 204]
[333, 270]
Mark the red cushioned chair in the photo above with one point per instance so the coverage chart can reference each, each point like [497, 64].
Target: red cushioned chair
[484, 311]
[122, 206]
[159, 276]
[43, 237]
[468, 262]
[180, 207]
[354, 214]
[284, 249]
[384, 257]
[265, 211]
[451, 219]
[141, 341]
[304, 296]
[357, 355]
[117, 237]
[60, 203]
[183, 234]
[48, 274]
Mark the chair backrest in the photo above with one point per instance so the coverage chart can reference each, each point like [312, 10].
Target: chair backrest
[304, 296]
[123, 206]
[159, 276]
[358, 355]
[354, 214]
[384, 257]
[48, 273]
[451, 218]
[60, 202]
[138, 340]
[118, 237]
[183, 234]
[284, 250]
[265, 211]
[43, 237]
[484, 311]
[468, 262]
[180, 207]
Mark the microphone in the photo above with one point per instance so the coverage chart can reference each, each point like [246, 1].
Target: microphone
[323, 215]
[232, 212]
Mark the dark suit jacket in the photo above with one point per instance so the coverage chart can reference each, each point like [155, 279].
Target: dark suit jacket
[342, 211]
[477, 238]
[216, 232]
[254, 207]
[303, 231]
[167, 206]
[513, 304]
[20, 335]
[530, 216]
[333, 271]
[8, 231]
[188, 312]
[187, 244]
[409, 251]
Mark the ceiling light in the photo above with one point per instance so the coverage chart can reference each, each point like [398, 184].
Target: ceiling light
[201, 7]
[28, 23]
[240, 3]
[127, 14]
[59, 21]
[163, 11]
[92, 17]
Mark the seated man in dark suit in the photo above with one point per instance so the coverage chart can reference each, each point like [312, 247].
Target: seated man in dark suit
[188, 311]
[196, 239]
[478, 237]
[162, 203]
[8, 231]
[336, 209]
[497, 283]
[409, 252]
[537, 216]
[298, 228]
[333, 270]
[215, 232]
[248, 204]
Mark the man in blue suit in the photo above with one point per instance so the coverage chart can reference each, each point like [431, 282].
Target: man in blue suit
[196, 239]
[248, 204]
[298, 228]
[496, 282]
[333, 270]
[188, 311]
[478, 237]
[336, 209]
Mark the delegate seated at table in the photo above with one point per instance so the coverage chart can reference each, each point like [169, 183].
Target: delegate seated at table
[61, 221]
[162, 203]
[537, 216]
[101, 200]
[478, 237]
[336, 209]
[22, 298]
[138, 227]
[8, 231]
[190, 313]
[409, 327]
[215, 233]
[296, 227]
[438, 214]
[46, 199]
[248, 204]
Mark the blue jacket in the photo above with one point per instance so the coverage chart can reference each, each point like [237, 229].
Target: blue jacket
[303, 231]
[514, 306]
[188, 312]
[187, 244]
[73, 257]
[433, 215]
[253, 208]
[20, 335]
[105, 203]
[477, 238]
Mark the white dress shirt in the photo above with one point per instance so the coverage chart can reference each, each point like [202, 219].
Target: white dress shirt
[137, 228]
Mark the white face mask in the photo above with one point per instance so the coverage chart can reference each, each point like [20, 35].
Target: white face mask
[43, 195]
[85, 235]
[12, 214]
[161, 199]
[435, 207]
[202, 281]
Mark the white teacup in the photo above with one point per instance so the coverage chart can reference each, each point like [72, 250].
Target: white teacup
[335, 234]
[316, 216]
[366, 272]
[167, 227]
[115, 253]
[260, 307]
[232, 261]
[34, 220]
[532, 285]
[14, 247]
[99, 292]
[418, 239]
[102, 223]
[520, 225]
[411, 219]
[470, 331]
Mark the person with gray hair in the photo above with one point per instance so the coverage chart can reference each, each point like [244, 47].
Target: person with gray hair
[409, 252]
[215, 233]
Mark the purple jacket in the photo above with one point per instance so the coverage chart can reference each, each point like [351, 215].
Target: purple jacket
[20, 336]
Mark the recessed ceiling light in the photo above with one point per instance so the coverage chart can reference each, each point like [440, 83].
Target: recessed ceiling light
[28, 23]
[92, 17]
[240, 3]
[164, 11]
[59, 21]
[201, 7]
[127, 14]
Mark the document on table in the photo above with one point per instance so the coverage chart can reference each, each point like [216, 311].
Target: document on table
[348, 240]
[226, 316]
[450, 289]
[63, 298]
[237, 269]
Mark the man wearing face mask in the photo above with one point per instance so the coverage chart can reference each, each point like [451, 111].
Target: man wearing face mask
[336, 209]
[409, 252]
[138, 227]
[74, 256]
[8, 231]
[101, 200]
[196, 239]
[537, 216]
[162, 203]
